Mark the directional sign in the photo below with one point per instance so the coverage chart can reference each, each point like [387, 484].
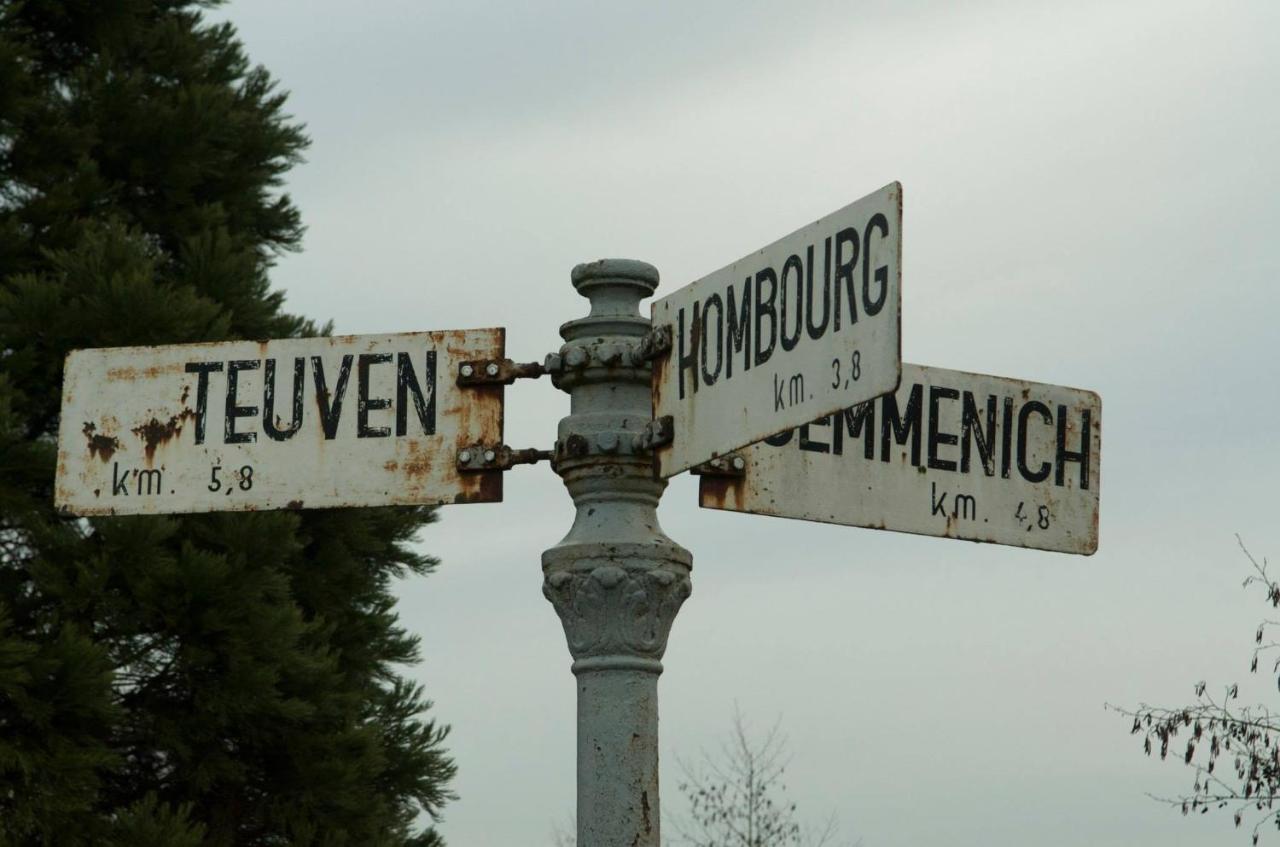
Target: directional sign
[952, 454]
[804, 327]
[312, 422]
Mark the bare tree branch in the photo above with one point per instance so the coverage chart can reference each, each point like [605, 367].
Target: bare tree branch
[737, 798]
[1248, 738]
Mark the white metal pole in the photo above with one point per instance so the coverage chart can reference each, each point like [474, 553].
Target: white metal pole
[616, 579]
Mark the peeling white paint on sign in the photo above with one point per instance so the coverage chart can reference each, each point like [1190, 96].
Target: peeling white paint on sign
[803, 327]
[952, 454]
[295, 423]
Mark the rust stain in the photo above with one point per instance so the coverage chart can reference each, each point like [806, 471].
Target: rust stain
[101, 446]
[186, 392]
[485, 487]
[479, 413]
[720, 492]
[154, 432]
[465, 343]
[655, 385]
[390, 465]
[417, 466]
[645, 815]
[133, 374]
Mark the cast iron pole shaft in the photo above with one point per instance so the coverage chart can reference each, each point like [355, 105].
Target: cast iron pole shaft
[616, 579]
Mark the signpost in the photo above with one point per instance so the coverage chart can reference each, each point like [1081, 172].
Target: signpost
[792, 344]
[951, 454]
[310, 422]
[796, 330]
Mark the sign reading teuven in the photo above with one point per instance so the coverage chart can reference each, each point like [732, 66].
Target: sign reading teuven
[952, 454]
[806, 326]
[297, 423]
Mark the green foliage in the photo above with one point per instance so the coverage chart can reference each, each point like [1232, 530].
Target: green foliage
[213, 679]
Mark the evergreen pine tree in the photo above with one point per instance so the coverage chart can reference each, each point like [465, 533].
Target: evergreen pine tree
[197, 680]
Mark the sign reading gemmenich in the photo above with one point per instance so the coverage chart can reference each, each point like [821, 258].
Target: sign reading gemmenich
[803, 327]
[952, 454]
[296, 423]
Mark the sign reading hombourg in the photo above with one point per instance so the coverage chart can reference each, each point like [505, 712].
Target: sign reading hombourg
[952, 454]
[806, 326]
[296, 423]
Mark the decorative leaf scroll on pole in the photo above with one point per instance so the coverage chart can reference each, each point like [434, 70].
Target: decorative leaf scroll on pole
[1235, 750]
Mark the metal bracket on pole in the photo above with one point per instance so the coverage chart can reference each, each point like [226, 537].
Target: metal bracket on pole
[657, 343]
[476, 458]
[728, 465]
[609, 353]
[656, 433]
[497, 371]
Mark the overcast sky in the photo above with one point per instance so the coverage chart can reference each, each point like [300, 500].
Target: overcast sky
[1090, 199]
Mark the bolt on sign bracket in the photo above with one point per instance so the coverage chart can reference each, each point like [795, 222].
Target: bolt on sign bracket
[730, 464]
[497, 371]
[657, 343]
[656, 433]
[477, 458]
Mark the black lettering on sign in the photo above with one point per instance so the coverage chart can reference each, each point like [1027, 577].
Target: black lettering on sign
[806, 443]
[963, 506]
[765, 307]
[859, 420]
[971, 432]
[938, 505]
[364, 403]
[710, 376]
[330, 405]
[119, 481]
[202, 369]
[1029, 408]
[818, 329]
[780, 305]
[844, 273]
[688, 358]
[233, 409]
[145, 480]
[152, 476]
[781, 439]
[406, 384]
[739, 336]
[794, 394]
[269, 400]
[873, 306]
[797, 389]
[1006, 438]
[898, 427]
[792, 269]
[1064, 455]
[936, 437]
